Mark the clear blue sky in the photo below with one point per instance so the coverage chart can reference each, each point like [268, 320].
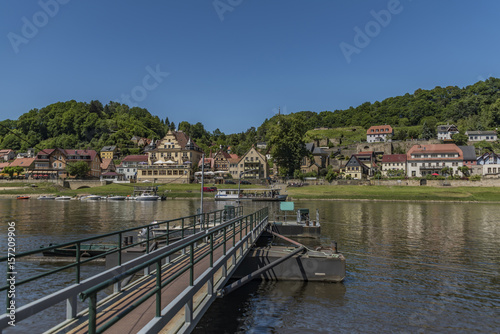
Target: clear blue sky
[232, 67]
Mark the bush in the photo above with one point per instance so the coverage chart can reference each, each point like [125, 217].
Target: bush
[476, 177]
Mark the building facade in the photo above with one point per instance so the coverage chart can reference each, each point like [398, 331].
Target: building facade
[128, 166]
[379, 133]
[475, 136]
[252, 165]
[51, 163]
[392, 164]
[171, 160]
[445, 132]
[425, 160]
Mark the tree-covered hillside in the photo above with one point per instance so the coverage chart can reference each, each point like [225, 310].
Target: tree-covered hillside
[79, 125]
[74, 124]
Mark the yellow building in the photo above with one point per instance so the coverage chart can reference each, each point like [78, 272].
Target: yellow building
[172, 160]
[108, 152]
[253, 164]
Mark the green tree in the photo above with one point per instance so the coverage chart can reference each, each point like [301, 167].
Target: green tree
[79, 169]
[13, 170]
[460, 139]
[287, 144]
[428, 132]
[464, 170]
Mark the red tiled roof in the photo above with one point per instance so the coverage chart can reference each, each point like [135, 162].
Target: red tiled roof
[381, 129]
[393, 158]
[434, 149]
[105, 163]
[22, 162]
[136, 158]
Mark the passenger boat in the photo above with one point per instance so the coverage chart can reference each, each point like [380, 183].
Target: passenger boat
[86, 250]
[263, 194]
[23, 197]
[147, 197]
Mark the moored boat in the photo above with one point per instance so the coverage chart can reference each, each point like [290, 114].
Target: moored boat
[116, 198]
[47, 197]
[264, 194]
[91, 198]
[147, 197]
[86, 250]
[63, 198]
[23, 197]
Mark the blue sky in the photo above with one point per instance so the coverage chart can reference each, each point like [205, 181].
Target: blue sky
[230, 64]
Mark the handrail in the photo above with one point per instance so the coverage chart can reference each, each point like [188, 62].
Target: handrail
[187, 223]
[245, 223]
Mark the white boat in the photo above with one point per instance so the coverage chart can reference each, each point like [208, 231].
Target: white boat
[63, 198]
[147, 197]
[47, 197]
[91, 198]
[116, 198]
[262, 194]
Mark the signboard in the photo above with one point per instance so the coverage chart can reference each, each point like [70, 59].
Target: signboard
[286, 206]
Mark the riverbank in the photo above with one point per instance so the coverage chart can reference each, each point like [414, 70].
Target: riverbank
[324, 192]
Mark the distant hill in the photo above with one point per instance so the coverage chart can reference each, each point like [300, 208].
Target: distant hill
[74, 124]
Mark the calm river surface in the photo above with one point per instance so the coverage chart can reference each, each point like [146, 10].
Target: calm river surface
[411, 267]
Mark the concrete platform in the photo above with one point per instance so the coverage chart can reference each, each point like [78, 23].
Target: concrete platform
[323, 266]
[293, 229]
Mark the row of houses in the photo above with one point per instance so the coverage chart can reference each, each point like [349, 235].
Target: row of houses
[423, 160]
[171, 160]
[382, 133]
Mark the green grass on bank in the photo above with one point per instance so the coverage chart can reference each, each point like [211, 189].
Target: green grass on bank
[408, 193]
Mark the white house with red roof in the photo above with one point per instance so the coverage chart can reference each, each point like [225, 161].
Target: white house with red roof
[128, 166]
[393, 162]
[7, 154]
[379, 133]
[423, 160]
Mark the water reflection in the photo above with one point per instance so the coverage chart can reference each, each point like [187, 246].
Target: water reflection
[412, 267]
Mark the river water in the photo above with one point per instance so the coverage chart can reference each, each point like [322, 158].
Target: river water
[411, 267]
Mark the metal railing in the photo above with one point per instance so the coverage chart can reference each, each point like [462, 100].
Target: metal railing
[213, 238]
[184, 226]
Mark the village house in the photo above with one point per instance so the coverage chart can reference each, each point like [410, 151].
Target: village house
[129, 164]
[171, 160]
[470, 160]
[109, 152]
[252, 165]
[51, 163]
[379, 133]
[425, 160]
[355, 169]
[7, 154]
[476, 136]
[316, 159]
[28, 164]
[490, 163]
[445, 132]
[393, 163]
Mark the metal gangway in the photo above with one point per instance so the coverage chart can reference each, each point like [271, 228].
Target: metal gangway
[180, 273]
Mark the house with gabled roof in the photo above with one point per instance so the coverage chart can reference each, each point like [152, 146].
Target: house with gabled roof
[109, 152]
[28, 164]
[490, 163]
[317, 158]
[445, 132]
[171, 159]
[356, 169]
[51, 163]
[252, 164]
[7, 154]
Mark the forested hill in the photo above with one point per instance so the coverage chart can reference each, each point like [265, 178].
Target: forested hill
[474, 107]
[74, 124]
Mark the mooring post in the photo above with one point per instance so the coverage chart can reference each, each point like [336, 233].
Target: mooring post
[71, 307]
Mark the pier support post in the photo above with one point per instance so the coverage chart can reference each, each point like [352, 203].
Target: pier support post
[71, 307]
